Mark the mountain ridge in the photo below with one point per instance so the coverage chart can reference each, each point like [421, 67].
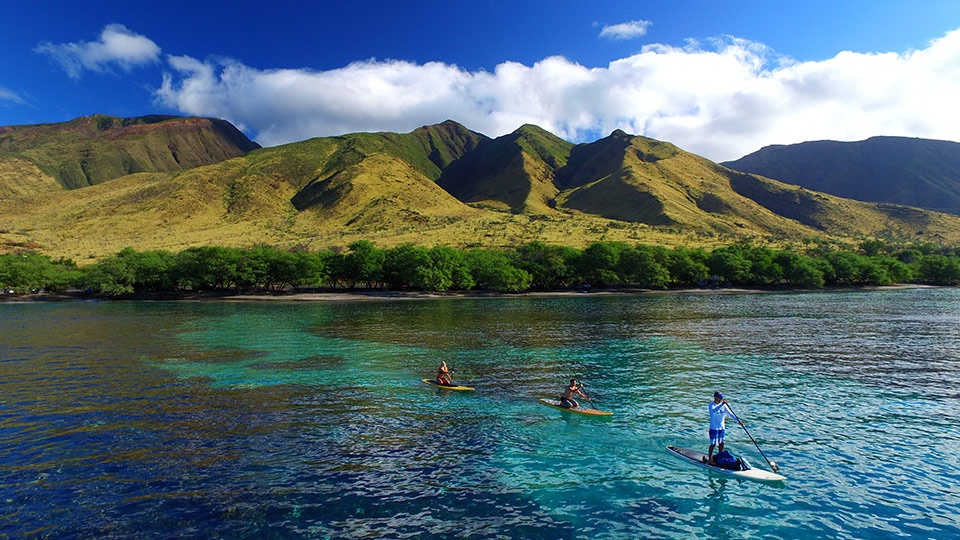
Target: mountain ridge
[924, 173]
[513, 172]
[444, 184]
[94, 149]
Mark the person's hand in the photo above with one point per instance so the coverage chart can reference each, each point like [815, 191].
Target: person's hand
[725, 402]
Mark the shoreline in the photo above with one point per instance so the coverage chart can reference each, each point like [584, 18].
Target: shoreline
[385, 295]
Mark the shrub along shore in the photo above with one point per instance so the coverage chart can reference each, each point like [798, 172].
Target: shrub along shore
[213, 271]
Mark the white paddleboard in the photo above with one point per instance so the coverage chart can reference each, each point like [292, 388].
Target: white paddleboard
[750, 474]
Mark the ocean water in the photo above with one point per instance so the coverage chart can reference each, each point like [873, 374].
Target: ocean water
[309, 420]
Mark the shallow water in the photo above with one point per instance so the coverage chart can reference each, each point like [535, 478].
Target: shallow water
[263, 420]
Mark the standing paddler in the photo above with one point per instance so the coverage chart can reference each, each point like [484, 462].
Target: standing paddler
[719, 412]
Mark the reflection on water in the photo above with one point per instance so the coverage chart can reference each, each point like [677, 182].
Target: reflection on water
[287, 420]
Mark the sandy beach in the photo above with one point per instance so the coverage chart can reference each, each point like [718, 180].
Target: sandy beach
[379, 295]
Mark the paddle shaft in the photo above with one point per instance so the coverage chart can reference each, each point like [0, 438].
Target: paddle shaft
[582, 386]
[773, 467]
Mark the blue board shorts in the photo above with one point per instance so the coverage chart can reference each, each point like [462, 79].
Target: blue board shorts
[716, 436]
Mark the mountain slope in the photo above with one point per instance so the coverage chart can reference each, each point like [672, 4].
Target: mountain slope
[340, 160]
[644, 180]
[915, 172]
[94, 149]
[515, 172]
[240, 202]
[444, 185]
[607, 178]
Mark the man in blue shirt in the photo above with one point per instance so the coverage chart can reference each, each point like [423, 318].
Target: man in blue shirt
[719, 412]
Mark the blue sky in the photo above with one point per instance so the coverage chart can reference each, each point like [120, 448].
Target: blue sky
[718, 78]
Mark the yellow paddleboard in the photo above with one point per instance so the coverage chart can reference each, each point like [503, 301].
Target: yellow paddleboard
[555, 403]
[433, 382]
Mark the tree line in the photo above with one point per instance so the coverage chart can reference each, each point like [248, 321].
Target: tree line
[533, 266]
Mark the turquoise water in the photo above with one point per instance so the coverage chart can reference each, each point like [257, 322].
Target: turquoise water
[308, 420]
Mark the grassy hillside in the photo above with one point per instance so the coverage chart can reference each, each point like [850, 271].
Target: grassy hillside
[94, 149]
[442, 185]
[915, 172]
[513, 173]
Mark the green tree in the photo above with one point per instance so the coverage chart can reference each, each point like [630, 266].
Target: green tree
[549, 266]
[207, 267]
[112, 276]
[599, 263]
[494, 270]
[687, 266]
[311, 268]
[456, 261]
[908, 256]
[30, 272]
[364, 263]
[799, 271]
[443, 269]
[897, 270]
[280, 267]
[872, 248]
[729, 264]
[764, 269]
[645, 266]
[273, 269]
[400, 265]
[846, 266]
[151, 270]
[939, 270]
[872, 272]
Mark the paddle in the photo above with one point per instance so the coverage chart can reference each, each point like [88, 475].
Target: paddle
[773, 466]
[582, 387]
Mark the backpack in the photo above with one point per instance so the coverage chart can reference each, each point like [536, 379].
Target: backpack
[726, 460]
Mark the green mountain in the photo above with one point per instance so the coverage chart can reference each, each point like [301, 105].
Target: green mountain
[915, 172]
[437, 185]
[515, 172]
[618, 178]
[343, 167]
[94, 149]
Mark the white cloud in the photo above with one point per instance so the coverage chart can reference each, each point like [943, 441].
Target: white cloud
[627, 30]
[117, 46]
[10, 96]
[721, 100]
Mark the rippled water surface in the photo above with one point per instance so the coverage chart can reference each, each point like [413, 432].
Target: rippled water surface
[309, 420]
